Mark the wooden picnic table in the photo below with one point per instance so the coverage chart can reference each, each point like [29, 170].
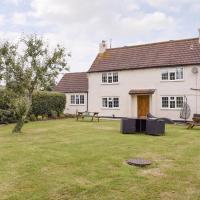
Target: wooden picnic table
[195, 121]
[87, 114]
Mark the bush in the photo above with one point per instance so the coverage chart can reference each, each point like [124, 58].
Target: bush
[7, 112]
[44, 103]
[7, 116]
[54, 114]
[32, 118]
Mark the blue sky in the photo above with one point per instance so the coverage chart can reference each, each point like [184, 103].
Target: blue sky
[81, 25]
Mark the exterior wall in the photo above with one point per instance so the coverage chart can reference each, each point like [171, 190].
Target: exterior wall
[72, 109]
[143, 79]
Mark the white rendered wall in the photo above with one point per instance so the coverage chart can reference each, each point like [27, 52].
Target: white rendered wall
[143, 79]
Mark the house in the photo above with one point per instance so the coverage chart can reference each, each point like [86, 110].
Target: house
[75, 87]
[131, 81]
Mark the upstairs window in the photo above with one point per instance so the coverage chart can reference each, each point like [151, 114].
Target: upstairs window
[77, 99]
[172, 74]
[110, 77]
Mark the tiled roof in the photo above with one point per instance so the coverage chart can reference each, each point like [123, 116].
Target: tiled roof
[73, 83]
[162, 54]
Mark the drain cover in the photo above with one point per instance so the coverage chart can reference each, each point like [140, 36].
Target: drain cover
[140, 162]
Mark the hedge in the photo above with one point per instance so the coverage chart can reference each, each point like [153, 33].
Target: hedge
[46, 103]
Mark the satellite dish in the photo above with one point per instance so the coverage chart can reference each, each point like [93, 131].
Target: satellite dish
[194, 70]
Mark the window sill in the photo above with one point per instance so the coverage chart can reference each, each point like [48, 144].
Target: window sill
[76, 104]
[171, 109]
[110, 83]
[110, 108]
[181, 80]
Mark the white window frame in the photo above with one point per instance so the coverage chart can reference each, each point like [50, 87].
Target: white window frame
[171, 99]
[108, 102]
[77, 99]
[109, 76]
[170, 71]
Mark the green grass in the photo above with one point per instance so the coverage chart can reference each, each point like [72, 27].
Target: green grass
[65, 159]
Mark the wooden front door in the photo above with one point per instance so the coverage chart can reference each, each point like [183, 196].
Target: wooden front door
[143, 106]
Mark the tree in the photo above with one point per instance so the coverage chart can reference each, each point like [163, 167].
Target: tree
[26, 66]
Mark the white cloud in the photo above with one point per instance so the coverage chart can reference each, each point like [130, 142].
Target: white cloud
[2, 20]
[19, 18]
[81, 26]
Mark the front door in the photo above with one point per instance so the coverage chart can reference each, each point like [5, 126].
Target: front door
[143, 106]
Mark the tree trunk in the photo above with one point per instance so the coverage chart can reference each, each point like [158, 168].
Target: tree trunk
[19, 125]
[22, 115]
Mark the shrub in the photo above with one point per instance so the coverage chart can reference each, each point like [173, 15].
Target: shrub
[45, 102]
[7, 112]
[32, 118]
[54, 114]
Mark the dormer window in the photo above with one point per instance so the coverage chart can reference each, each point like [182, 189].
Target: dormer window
[174, 74]
[110, 77]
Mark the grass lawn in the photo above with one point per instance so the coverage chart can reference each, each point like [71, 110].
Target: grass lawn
[65, 159]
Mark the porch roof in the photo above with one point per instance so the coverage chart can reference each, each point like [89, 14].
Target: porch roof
[141, 91]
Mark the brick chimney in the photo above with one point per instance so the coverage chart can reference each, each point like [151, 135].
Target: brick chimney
[102, 46]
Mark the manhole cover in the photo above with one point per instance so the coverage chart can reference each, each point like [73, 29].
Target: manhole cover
[140, 162]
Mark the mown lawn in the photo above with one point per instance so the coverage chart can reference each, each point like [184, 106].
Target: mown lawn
[65, 159]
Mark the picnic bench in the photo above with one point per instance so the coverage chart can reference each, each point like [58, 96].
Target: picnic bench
[195, 121]
[92, 115]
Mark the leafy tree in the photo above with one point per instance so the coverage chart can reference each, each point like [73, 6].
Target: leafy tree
[26, 66]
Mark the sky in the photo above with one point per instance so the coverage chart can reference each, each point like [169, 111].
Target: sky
[80, 25]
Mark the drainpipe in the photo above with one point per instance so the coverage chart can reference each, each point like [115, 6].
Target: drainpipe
[87, 101]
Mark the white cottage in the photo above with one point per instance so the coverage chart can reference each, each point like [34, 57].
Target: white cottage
[152, 78]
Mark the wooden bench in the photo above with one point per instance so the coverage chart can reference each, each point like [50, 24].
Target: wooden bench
[92, 115]
[195, 121]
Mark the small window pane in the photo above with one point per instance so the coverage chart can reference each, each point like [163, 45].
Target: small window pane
[115, 77]
[110, 102]
[104, 102]
[165, 102]
[172, 75]
[179, 73]
[110, 77]
[165, 75]
[104, 78]
[72, 99]
[82, 99]
[77, 99]
[179, 102]
[172, 102]
[116, 102]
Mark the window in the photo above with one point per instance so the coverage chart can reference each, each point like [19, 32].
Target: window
[165, 75]
[72, 99]
[115, 102]
[104, 78]
[115, 77]
[172, 102]
[172, 74]
[77, 99]
[179, 73]
[82, 99]
[105, 102]
[179, 102]
[110, 77]
[165, 102]
[110, 102]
